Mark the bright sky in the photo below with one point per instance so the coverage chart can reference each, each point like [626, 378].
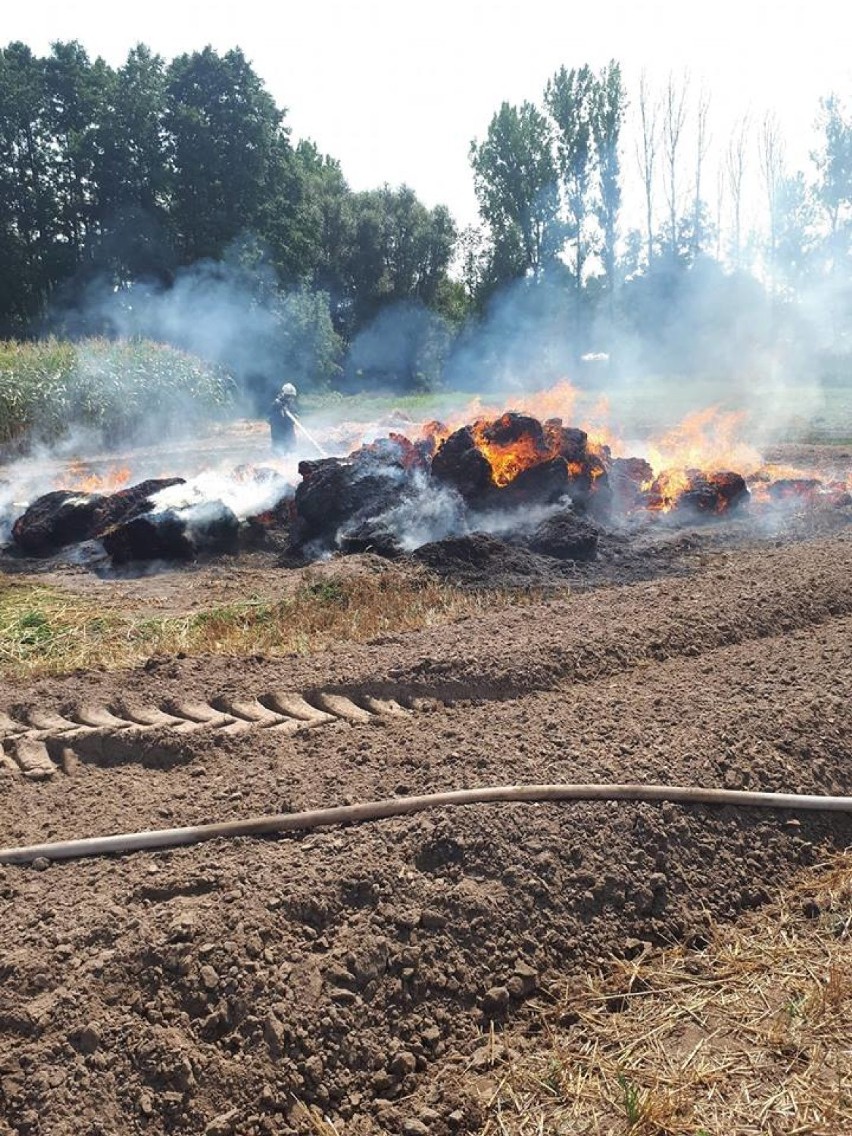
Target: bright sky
[396, 91]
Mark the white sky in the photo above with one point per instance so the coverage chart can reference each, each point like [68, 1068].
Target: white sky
[397, 91]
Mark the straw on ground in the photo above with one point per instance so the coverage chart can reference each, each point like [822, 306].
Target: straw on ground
[752, 1034]
[44, 630]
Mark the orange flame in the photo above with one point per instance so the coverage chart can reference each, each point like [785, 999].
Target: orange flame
[557, 401]
[508, 460]
[79, 478]
[706, 439]
[665, 489]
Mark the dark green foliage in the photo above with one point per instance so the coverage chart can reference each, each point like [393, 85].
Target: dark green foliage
[399, 252]
[115, 178]
[516, 182]
[229, 151]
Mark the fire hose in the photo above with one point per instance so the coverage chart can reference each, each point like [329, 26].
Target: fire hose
[401, 806]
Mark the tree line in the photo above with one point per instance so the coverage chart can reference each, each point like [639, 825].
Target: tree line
[701, 266]
[115, 175]
[112, 176]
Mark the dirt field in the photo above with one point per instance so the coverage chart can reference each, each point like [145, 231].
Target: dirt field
[347, 981]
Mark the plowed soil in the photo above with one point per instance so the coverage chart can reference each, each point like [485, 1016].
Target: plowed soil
[257, 986]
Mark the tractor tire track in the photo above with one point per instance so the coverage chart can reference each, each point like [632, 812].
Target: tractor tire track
[39, 743]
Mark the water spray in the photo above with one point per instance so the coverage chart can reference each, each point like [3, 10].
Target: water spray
[306, 432]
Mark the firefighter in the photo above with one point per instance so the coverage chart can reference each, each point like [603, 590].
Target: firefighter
[281, 424]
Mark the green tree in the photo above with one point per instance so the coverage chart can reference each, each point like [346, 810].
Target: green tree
[27, 209]
[134, 175]
[311, 349]
[516, 182]
[230, 152]
[324, 220]
[77, 92]
[610, 104]
[400, 252]
[573, 99]
[473, 251]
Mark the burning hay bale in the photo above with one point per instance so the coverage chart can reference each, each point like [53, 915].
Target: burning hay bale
[374, 535]
[717, 492]
[390, 495]
[461, 464]
[156, 536]
[516, 461]
[569, 442]
[627, 479]
[338, 491]
[542, 484]
[794, 489]
[62, 517]
[709, 494]
[55, 520]
[514, 432]
[129, 523]
[259, 528]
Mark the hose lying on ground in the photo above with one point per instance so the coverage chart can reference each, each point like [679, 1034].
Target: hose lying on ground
[399, 806]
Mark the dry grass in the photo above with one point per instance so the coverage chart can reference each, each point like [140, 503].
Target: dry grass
[45, 631]
[751, 1035]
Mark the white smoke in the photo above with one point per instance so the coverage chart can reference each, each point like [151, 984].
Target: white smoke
[431, 512]
[244, 496]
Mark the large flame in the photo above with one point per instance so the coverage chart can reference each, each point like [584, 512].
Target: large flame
[691, 458]
[693, 462]
[706, 439]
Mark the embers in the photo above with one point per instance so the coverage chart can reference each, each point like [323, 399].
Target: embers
[795, 489]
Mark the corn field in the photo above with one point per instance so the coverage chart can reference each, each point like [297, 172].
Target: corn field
[119, 389]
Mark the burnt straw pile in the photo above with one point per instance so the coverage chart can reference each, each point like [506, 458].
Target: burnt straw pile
[541, 488]
[127, 523]
[63, 517]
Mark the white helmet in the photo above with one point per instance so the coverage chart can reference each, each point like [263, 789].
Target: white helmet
[288, 390]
